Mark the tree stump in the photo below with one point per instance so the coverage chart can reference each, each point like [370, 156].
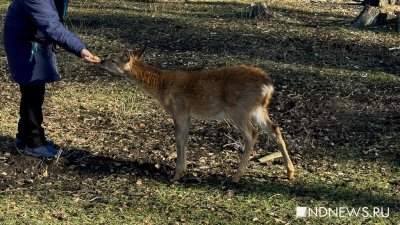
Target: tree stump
[256, 10]
[367, 17]
[377, 13]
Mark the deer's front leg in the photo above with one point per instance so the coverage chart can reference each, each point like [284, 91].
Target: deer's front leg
[182, 125]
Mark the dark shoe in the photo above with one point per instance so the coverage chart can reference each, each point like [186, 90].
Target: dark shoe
[42, 151]
[20, 145]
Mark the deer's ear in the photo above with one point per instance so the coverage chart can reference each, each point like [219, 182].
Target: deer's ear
[138, 52]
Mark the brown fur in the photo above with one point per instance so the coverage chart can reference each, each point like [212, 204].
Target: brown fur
[240, 93]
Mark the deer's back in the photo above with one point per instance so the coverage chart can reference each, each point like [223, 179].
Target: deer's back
[209, 93]
[226, 78]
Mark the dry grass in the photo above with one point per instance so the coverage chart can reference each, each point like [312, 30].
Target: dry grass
[337, 100]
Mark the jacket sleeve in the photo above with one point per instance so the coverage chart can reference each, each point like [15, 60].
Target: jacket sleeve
[48, 22]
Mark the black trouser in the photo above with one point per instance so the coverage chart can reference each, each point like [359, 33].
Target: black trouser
[30, 128]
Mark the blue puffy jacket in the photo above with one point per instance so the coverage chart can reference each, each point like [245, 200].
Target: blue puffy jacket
[31, 27]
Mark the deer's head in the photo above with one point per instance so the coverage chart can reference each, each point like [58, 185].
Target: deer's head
[120, 63]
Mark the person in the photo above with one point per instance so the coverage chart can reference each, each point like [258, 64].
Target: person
[31, 29]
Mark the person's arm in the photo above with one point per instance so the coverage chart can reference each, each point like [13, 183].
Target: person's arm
[48, 22]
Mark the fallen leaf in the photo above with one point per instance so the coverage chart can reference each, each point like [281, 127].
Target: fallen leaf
[45, 173]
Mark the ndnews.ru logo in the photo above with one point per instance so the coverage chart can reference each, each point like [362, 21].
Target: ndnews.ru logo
[365, 212]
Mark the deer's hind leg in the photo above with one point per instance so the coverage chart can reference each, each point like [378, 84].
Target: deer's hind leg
[250, 134]
[274, 131]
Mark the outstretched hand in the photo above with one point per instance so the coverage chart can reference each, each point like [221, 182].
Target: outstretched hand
[89, 57]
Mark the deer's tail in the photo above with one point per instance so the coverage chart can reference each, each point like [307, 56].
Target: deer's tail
[260, 114]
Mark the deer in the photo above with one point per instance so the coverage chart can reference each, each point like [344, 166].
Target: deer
[239, 93]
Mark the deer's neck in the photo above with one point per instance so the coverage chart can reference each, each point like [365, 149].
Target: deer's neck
[148, 78]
